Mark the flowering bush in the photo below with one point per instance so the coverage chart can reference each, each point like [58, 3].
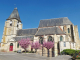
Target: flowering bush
[48, 45]
[24, 43]
[76, 55]
[36, 45]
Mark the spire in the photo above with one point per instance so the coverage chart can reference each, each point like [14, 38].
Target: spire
[14, 15]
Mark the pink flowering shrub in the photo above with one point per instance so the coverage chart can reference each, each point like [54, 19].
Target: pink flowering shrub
[24, 43]
[36, 45]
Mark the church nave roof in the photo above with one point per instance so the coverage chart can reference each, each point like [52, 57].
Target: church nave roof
[55, 22]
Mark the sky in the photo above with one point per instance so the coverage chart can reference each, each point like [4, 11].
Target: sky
[32, 11]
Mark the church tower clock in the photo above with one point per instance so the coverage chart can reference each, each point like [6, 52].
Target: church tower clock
[12, 24]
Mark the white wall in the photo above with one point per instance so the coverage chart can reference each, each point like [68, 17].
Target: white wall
[69, 45]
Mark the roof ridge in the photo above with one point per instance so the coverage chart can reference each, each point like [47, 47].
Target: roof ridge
[53, 18]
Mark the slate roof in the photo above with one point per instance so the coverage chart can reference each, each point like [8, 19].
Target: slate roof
[55, 22]
[26, 32]
[17, 38]
[14, 15]
[49, 30]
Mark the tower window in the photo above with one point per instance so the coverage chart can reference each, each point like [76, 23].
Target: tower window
[18, 24]
[10, 23]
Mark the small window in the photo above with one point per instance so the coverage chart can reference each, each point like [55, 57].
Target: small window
[18, 45]
[10, 23]
[68, 30]
[17, 24]
[64, 44]
[61, 38]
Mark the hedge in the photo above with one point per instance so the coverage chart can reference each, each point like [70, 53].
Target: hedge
[70, 51]
[74, 53]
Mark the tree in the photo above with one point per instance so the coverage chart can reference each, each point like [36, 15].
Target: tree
[48, 45]
[24, 43]
[36, 45]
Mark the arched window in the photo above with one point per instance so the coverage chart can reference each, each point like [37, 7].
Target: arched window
[50, 38]
[61, 38]
[18, 45]
[68, 30]
[10, 23]
[41, 40]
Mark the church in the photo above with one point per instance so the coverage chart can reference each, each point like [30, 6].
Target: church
[60, 30]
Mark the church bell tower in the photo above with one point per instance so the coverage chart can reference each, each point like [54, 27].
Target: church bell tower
[12, 24]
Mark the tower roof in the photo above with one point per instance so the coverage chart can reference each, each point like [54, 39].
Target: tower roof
[14, 15]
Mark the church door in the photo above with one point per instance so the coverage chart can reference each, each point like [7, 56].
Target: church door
[11, 47]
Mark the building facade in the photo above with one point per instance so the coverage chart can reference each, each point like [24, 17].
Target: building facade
[60, 30]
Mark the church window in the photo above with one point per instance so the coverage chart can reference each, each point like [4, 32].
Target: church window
[18, 45]
[10, 23]
[17, 24]
[61, 38]
[68, 30]
[50, 38]
[41, 40]
[64, 44]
